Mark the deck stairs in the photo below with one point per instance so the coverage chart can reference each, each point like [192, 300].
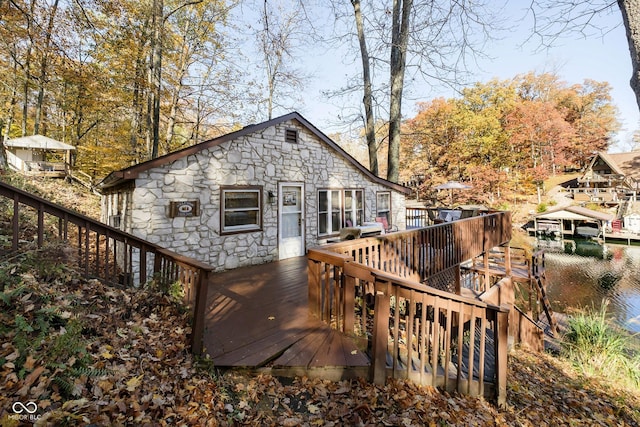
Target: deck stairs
[528, 272]
[537, 306]
[549, 324]
[623, 208]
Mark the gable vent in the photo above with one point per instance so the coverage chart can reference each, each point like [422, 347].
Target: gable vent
[291, 135]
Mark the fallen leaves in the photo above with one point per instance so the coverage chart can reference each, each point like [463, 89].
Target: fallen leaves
[132, 366]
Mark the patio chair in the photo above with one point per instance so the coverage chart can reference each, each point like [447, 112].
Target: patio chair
[385, 224]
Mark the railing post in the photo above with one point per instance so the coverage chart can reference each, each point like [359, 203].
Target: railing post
[349, 303]
[487, 276]
[507, 260]
[15, 222]
[197, 330]
[313, 271]
[381, 312]
[501, 333]
[40, 225]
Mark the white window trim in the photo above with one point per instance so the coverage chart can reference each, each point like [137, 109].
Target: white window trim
[378, 211]
[354, 204]
[342, 209]
[225, 229]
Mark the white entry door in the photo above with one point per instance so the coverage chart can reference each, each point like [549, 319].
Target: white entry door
[291, 220]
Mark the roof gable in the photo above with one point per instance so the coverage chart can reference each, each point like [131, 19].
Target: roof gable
[132, 172]
[625, 164]
[628, 163]
[575, 212]
[39, 142]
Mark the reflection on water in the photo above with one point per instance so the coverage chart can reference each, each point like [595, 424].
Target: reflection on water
[583, 273]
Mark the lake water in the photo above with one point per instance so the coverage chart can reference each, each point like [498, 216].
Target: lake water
[583, 273]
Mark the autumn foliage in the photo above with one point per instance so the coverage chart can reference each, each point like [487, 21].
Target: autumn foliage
[506, 137]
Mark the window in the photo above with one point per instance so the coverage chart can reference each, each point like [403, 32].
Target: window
[241, 209]
[338, 209]
[383, 205]
[329, 215]
[353, 207]
[291, 135]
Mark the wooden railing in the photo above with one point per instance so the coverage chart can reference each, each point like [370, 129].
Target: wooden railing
[366, 287]
[115, 257]
[419, 217]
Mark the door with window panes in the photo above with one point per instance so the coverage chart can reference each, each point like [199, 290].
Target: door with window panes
[291, 220]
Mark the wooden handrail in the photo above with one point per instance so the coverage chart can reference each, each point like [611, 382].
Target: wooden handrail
[116, 257]
[434, 342]
[358, 286]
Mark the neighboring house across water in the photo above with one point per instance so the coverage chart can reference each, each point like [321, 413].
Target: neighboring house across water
[39, 155]
[266, 192]
[610, 178]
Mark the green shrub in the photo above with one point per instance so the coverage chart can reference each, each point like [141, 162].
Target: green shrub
[504, 206]
[542, 207]
[599, 348]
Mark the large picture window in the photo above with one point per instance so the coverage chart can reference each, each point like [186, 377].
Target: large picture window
[241, 209]
[338, 209]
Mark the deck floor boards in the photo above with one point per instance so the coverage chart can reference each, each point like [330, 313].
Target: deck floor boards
[259, 315]
[258, 318]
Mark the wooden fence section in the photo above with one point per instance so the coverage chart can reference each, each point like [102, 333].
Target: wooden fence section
[117, 258]
[439, 338]
[366, 287]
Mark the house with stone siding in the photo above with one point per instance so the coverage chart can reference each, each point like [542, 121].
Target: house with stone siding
[266, 192]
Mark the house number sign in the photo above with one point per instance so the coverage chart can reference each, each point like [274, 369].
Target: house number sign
[184, 208]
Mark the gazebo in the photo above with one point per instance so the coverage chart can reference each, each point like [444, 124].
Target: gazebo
[39, 155]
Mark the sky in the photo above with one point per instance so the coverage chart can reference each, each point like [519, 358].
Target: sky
[600, 57]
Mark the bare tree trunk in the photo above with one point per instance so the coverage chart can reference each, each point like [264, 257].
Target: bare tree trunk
[156, 74]
[175, 95]
[26, 69]
[3, 153]
[136, 107]
[12, 102]
[399, 41]
[369, 120]
[43, 67]
[273, 50]
[631, 17]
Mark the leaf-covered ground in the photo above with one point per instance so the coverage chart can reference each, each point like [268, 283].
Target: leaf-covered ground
[87, 354]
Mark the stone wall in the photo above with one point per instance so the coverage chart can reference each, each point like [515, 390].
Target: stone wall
[262, 159]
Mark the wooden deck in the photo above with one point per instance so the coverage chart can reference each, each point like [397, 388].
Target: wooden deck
[258, 317]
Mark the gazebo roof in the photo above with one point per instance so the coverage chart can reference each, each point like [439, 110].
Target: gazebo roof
[40, 142]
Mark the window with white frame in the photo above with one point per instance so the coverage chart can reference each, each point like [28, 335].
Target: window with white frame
[338, 209]
[241, 209]
[329, 211]
[353, 208]
[383, 205]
